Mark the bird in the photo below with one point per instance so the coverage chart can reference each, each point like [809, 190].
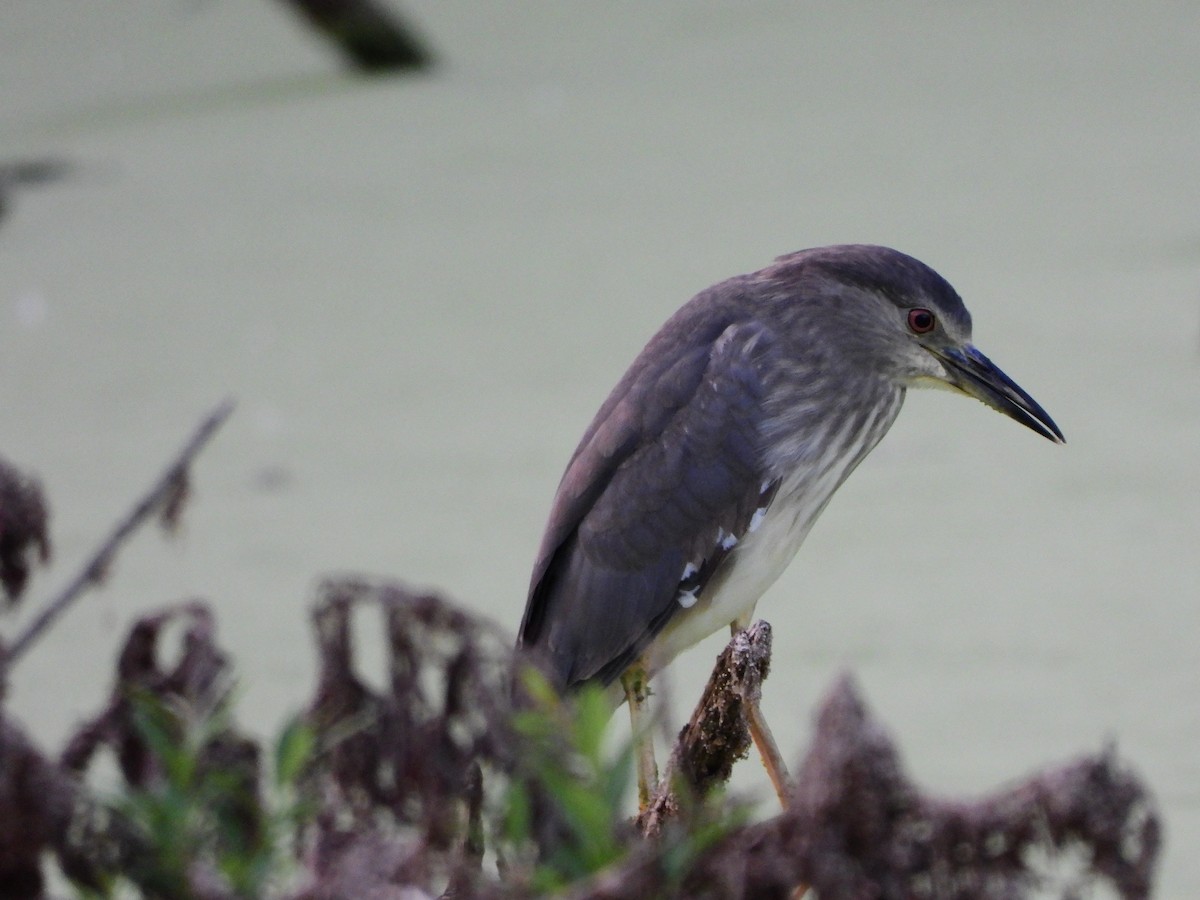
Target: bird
[697, 481]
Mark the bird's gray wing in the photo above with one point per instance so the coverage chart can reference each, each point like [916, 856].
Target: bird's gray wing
[669, 470]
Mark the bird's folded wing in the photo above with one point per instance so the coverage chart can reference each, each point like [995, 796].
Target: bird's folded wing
[666, 480]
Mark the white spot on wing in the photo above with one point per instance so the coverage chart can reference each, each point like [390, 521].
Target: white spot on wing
[687, 599]
[809, 475]
[726, 540]
[688, 571]
[757, 519]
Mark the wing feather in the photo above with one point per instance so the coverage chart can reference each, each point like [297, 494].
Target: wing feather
[669, 469]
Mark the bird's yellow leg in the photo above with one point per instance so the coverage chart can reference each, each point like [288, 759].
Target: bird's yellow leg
[637, 689]
[772, 759]
[764, 740]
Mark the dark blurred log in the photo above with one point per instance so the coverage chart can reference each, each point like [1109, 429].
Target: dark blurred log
[370, 37]
[25, 173]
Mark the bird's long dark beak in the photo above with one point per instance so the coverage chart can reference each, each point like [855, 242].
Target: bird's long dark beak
[973, 373]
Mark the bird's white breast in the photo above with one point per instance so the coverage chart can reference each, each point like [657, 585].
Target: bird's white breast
[763, 553]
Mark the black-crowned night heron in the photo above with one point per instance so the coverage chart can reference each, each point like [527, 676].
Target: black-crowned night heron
[702, 473]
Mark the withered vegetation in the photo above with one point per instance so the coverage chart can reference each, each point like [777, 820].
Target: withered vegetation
[462, 775]
[24, 539]
[399, 774]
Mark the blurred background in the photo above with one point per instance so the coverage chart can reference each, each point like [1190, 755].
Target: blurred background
[419, 288]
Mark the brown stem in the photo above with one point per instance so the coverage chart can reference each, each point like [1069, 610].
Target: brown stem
[163, 497]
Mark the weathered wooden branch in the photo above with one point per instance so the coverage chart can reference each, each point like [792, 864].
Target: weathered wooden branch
[717, 735]
[165, 498]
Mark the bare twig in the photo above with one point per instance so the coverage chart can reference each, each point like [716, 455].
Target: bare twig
[163, 497]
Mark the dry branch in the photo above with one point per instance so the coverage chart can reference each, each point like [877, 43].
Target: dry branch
[717, 735]
[164, 497]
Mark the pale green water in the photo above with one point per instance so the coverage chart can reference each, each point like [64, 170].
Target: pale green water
[421, 289]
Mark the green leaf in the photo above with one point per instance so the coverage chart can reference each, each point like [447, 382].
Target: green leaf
[293, 751]
[592, 715]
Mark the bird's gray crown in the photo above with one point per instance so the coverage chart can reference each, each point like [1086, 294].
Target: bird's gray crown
[905, 281]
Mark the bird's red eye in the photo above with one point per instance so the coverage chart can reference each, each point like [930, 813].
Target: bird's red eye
[921, 321]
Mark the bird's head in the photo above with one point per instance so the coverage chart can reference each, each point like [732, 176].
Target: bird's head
[903, 318]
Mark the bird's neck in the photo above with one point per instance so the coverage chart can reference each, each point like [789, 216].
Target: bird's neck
[818, 430]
